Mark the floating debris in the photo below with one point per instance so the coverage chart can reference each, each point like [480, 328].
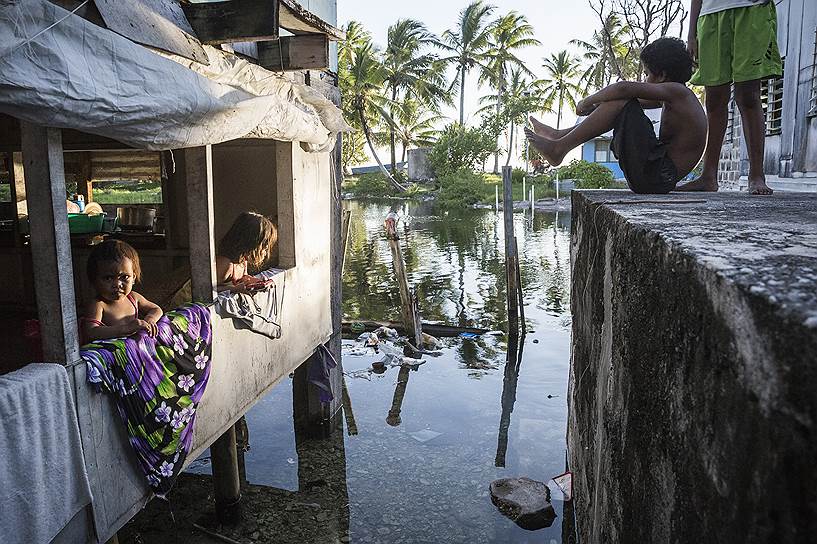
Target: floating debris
[565, 484]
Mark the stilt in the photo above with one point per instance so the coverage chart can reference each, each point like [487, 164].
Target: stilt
[510, 253]
[520, 295]
[224, 457]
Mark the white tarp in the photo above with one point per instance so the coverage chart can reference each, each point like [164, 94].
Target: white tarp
[59, 70]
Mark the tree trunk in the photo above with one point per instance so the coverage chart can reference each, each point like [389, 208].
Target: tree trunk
[383, 169]
[462, 95]
[403, 156]
[391, 132]
[561, 105]
[510, 145]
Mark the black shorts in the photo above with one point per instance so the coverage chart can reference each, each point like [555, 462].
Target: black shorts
[641, 156]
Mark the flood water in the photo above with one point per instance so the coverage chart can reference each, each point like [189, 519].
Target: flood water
[428, 441]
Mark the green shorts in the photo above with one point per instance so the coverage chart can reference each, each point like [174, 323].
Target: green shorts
[738, 45]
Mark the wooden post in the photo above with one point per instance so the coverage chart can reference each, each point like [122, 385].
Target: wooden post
[224, 457]
[510, 253]
[198, 172]
[519, 286]
[408, 303]
[50, 242]
[198, 165]
[84, 182]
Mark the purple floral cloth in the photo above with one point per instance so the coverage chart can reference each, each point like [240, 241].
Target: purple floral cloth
[157, 383]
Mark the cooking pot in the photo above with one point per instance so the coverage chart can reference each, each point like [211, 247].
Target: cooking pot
[135, 217]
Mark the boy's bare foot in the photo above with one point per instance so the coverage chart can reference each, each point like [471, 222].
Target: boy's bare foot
[707, 184]
[549, 149]
[542, 129]
[758, 187]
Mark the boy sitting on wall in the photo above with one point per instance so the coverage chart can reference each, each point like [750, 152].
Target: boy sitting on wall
[651, 164]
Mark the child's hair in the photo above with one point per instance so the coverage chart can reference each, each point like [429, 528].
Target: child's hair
[669, 56]
[251, 238]
[112, 251]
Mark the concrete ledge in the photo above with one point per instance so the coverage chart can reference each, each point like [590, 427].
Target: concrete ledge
[693, 395]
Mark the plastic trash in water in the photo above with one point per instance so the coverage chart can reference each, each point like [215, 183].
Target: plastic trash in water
[357, 326]
[469, 335]
[565, 484]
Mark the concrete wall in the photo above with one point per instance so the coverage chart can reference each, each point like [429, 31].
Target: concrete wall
[245, 365]
[692, 410]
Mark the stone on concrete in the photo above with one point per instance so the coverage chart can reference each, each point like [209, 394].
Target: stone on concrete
[693, 383]
[525, 501]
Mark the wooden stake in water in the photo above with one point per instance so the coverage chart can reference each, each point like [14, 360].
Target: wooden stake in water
[408, 302]
[524, 187]
[510, 253]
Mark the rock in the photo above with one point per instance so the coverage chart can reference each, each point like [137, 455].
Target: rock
[525, 501]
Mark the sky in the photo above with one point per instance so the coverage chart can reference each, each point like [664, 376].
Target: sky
[555, 22]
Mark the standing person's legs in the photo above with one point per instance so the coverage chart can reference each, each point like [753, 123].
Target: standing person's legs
[747, 96]
[717, 112]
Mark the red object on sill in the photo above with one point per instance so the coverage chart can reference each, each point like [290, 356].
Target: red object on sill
[32, 334]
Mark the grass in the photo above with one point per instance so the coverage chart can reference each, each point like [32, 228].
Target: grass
[543, 188]
[376, 185]
[148, 192]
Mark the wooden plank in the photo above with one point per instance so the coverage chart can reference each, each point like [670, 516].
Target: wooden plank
[234, 20]
[510, 253]
[289, 53]
[198, 170]
[50, 242]
[156, 23]
[299, 20]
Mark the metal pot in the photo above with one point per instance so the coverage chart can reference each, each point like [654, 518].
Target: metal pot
[135, 217]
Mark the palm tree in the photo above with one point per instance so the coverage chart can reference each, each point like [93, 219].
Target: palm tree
[508, 34]
[559, 84]
[415, 126]
[364, 97]
[467, 45]
[410, 73]
[607, 54]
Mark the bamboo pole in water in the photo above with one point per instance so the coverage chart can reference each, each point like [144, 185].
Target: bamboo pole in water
[510, 253]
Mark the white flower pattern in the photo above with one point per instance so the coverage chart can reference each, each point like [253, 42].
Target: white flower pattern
[179, 344]
[186, 382]
[166, 469]
[163, 413]
[201, 361]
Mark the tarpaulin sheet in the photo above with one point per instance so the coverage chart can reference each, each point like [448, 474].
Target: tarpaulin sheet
[59, 70]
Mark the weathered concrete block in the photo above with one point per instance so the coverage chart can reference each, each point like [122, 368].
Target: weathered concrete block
[419, 169]
[693, 383]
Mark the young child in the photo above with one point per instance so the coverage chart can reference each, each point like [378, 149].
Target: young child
[117, 310]
[734, 41]
[651, 164]
[244, 250]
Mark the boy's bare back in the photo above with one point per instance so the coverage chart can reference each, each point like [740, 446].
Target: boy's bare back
[683, 127]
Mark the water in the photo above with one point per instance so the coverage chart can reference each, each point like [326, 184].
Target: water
[419, 471]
